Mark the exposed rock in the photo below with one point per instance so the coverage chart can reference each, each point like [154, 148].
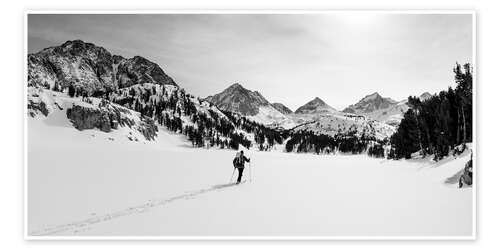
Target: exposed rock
[282, 108]
[315, 106]
[140, 70]
[370, 103]
[89, 118]
[108, 118]
[238, 99]
[34, 107]
[90, 68]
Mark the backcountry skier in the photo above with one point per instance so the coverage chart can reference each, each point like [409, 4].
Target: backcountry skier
[239, 163]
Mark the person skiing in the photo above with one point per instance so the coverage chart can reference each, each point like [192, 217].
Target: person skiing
[239, 163]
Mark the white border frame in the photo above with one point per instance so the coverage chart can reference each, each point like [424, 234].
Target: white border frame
[217, 238]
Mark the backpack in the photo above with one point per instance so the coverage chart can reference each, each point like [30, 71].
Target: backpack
[237, 160]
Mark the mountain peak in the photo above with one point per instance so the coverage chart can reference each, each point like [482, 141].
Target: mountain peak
[236, 85]
[317, 99]
[91, 68]
[370, 103]
[373, 96]
[238, 99]
[424, 96]
[315, 106]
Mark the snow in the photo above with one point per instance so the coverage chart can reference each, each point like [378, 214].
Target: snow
[268, 115]
[342, 123]
[80, 183]
[57, 104]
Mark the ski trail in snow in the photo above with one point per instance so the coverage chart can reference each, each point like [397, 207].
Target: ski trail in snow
[84, 224]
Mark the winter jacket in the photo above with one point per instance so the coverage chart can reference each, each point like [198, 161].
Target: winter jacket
[240, 163]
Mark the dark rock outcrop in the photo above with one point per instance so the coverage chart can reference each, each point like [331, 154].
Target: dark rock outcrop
[106, 119]
[140, 70]
[34, 107]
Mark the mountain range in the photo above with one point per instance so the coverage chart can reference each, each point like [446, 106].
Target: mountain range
[135, 94]
[238, 99]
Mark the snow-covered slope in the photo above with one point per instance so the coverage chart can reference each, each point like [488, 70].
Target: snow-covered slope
[142, 190]
[382, 109]
[391, 115]
[268, 115]
[58, 110]
[347, 124]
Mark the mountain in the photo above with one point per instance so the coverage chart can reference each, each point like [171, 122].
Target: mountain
[82, 86]
[91, 69]
[238, 99]
[316, 106]
[369, 104]
[382, 109]
[425, 96]
[251, 104]
[344, 124]
[282, 108]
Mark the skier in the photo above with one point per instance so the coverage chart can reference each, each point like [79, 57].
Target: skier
[239, 163]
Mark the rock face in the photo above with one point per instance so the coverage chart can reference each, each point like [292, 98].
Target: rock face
[108, 118]
[238, 99]
[34, 107]
[140, 70]
[316, 106]
[282, 108]
[370, 103]
[90, 68]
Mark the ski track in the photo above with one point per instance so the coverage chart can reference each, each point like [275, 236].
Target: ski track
[84, 225]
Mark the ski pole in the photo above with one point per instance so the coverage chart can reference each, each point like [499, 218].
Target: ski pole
[250, 170]
[232, 175]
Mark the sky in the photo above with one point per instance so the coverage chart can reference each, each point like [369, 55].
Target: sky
[289, 58]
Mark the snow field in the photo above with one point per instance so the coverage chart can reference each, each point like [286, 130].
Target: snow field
[82, 183]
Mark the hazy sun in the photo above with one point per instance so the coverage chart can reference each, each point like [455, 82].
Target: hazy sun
[358, 19]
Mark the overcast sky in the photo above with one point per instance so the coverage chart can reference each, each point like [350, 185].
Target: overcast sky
[339, 57]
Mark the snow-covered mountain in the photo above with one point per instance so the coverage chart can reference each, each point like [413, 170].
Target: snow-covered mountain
[316, 115]
[369, 104]
[238, 99]
[382, 109]
[282, 108]
[251, 104]
[316, 106]
[108, 88]
[344, 124]
[90, 69]
[83, 85]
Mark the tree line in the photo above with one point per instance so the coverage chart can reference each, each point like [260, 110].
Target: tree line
[439, 124]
